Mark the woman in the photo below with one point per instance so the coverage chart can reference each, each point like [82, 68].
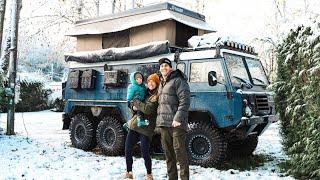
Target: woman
[143, 134]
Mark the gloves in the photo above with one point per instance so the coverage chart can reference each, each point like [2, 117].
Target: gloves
[132, 108]
[136, 102]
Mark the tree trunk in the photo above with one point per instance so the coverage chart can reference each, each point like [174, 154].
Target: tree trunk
[16, 7]
[2, 13]
[113, 4]
[97, 3]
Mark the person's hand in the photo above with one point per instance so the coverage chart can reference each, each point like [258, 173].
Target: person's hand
[136, 102]
[134, 108]
[175, 124]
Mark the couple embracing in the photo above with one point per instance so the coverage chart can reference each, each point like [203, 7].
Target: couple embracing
[165, 105]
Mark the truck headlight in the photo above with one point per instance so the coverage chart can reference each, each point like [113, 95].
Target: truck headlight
[247, 109]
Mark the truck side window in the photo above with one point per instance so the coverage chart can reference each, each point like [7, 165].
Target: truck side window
[181, 67]
[199, 71]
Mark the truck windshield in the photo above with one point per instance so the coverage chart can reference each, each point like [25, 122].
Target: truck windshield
[237, 69]
[257, 72]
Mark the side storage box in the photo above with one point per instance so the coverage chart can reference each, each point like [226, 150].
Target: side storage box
[88, 79]
[74, 79]
[115, 78]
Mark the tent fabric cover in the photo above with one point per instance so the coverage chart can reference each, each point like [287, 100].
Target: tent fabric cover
[119, 54]
[123, 23]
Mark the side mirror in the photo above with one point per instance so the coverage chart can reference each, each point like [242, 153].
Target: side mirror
[212, 78]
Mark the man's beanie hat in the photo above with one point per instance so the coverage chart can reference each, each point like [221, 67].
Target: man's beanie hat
[165, 60]
[155, 78]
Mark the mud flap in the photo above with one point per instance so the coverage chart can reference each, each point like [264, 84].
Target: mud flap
[66, 121]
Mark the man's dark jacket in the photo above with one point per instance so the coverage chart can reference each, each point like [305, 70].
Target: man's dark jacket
[174, 100]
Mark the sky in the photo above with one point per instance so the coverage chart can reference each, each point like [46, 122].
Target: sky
[246, 20]
[249, 19]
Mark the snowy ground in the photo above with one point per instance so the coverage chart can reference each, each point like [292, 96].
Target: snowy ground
[47, 154]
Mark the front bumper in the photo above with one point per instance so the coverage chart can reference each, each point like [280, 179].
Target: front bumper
[248, 121]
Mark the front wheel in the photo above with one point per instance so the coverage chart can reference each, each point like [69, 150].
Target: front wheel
[206, 145]
[110, 136]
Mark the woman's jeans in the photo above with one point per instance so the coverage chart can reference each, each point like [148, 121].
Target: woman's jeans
[133, 138]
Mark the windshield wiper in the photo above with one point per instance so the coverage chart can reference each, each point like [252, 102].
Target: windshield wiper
[260, 80]
[245, 83]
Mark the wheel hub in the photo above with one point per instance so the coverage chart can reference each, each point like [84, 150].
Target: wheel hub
[80, 132]
[200, 146]
[109, 136]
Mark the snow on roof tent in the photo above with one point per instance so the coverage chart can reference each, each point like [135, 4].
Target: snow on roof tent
[147, 15]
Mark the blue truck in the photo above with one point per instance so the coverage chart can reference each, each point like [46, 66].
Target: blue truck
[230, 104]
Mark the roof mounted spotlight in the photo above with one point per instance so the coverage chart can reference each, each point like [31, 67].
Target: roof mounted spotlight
[246, 48]
[232, 44]
[243, 47]
[228, 43]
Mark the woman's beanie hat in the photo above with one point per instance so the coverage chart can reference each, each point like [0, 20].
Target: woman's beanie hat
[155, 78]
[165, 60]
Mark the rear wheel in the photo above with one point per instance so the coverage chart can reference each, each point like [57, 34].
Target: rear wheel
[206, 145]
[83, 131]
[110, 136]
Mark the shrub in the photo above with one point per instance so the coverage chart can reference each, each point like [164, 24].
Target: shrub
[33, 97]
[298, 100]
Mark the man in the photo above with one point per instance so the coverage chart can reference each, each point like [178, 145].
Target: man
[172, 118]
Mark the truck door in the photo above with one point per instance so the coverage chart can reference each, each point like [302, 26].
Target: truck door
[213, 99]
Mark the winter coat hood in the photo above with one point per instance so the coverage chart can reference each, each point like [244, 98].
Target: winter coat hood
[133, 80]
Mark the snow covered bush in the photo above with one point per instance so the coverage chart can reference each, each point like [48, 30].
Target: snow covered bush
[56, 102]
[298, 100]
[33, 96]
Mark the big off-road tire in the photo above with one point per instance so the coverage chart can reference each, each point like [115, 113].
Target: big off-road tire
[206, 145]
[242, 148]
[110, 136]
[83, 131]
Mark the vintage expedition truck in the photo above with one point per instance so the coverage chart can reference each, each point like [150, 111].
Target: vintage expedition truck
[230, 105]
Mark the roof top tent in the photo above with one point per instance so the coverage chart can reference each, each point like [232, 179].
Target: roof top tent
[137, 26]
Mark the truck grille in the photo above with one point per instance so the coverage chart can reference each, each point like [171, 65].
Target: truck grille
[262, 106]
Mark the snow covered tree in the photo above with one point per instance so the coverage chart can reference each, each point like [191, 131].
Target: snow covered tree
[298, 100]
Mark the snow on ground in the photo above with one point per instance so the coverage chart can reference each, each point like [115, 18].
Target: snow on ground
[47, 154]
